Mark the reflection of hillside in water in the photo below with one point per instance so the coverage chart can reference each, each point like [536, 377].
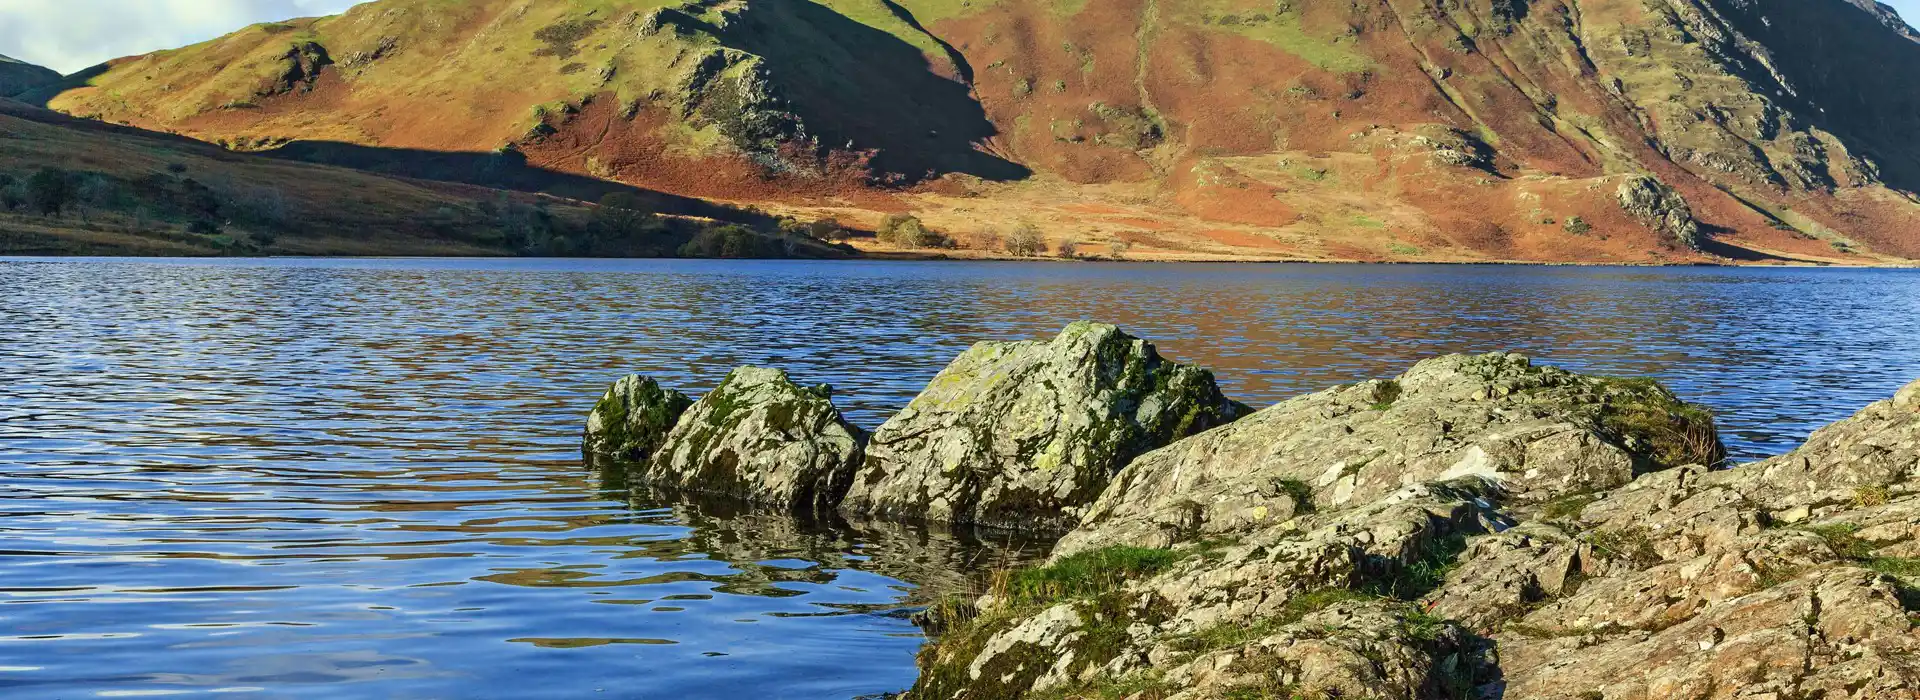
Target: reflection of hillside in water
[765, 547]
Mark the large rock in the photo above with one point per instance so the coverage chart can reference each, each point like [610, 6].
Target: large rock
[1795, 577]
[1660, 208]
[1541, 432]
[631, 420]
[1022, 435]
[761, 438]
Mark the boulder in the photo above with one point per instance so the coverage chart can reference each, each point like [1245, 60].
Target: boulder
[1794, 577]
[631, 420]
[1660, 208]
[1540, 432]
[760, 438]
[1022, 435]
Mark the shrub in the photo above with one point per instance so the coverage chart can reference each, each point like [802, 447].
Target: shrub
[733, 241]
[1118, 249]
[1069, 249]
[1576, 225]
[829, 230]
[50, 190]
[906, 231]
[1026, 241]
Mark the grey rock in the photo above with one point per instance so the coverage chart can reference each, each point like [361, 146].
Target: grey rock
[1660, 208]
[1541, 432]
[761, 438]
[1023, 435]
[631, 420]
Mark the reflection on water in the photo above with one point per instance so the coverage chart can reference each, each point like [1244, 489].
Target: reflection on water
[360, 478]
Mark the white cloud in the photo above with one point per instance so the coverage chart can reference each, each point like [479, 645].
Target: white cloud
[68, 35]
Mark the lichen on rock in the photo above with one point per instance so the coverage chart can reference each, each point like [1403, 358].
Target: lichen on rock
[1660, 208]
[1541, 432]
[760, 438]
[1022, 435]
[1794, 577]
[631, 420]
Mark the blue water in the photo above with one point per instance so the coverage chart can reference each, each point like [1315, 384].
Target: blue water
[327, 478]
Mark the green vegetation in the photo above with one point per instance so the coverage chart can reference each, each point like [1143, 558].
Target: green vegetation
[1385, 394]
[1844, 539]
[907, 231]
[1087, 574]
[1431, 562]
[1281, 27]
[1677, 433]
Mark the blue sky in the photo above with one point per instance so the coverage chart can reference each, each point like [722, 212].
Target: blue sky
[68, 35]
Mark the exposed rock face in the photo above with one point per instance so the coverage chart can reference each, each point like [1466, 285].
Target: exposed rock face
[631, 420]
[1022, 435]
[1541, 431]
[1660, 208]
[1794, 577]
[759, 437]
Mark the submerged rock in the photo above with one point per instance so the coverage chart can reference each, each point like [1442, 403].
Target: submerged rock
[631, 420]
[761, 438]
[1539, 432]
[1021, 435]
[1564, 574]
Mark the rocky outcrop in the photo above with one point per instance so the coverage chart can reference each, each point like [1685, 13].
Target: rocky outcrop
[631, 420]
[1540, 432]
[1792, 577]
[759, 437]
[1023, 435]
[1659, 208]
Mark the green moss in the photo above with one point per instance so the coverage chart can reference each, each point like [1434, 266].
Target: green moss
[1299, 491]
[1385, 393]
[1567, 508]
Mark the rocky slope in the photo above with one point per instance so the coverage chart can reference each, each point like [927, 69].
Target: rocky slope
[1386, 129]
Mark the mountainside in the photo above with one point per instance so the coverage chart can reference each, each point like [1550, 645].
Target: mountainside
[72, 186]
[18, 76]
[1604, 130]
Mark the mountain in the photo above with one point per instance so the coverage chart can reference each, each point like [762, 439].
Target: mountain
[1545, 130]
[73, 186]
[18, 76]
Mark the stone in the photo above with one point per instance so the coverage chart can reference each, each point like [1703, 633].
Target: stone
[760, 438]
[631, 420]
[1023, 435]
[1483, 573]
[1660, 208]
[1540, 432]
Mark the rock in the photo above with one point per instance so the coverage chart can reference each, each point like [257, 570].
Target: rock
[1022, 435]
[631, 420]
[759, 437]
[1541, 432]
[1433, 580]
[1660, 208]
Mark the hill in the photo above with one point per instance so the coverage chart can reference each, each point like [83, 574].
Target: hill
[1603, 131]
[72, 186]
[18, 76]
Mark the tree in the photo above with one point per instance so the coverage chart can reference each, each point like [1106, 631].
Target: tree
[1026, 241]
[1069, 249]
[49, 191]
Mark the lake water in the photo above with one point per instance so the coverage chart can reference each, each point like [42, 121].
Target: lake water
[324, 478]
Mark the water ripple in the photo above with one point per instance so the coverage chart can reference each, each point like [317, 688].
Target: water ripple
[315, 478]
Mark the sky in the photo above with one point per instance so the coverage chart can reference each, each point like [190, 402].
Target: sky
[68, 35]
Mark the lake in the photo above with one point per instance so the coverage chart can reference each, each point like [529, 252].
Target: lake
[361, 478]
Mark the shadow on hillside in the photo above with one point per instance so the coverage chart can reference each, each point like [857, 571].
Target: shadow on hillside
[1849, 74]
[854, 84]
[506, 170]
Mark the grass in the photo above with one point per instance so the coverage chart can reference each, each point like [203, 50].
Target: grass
[1086, 574]
[1676, 433]
[1843, 538]
[1385, 394]
[1631, 545]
